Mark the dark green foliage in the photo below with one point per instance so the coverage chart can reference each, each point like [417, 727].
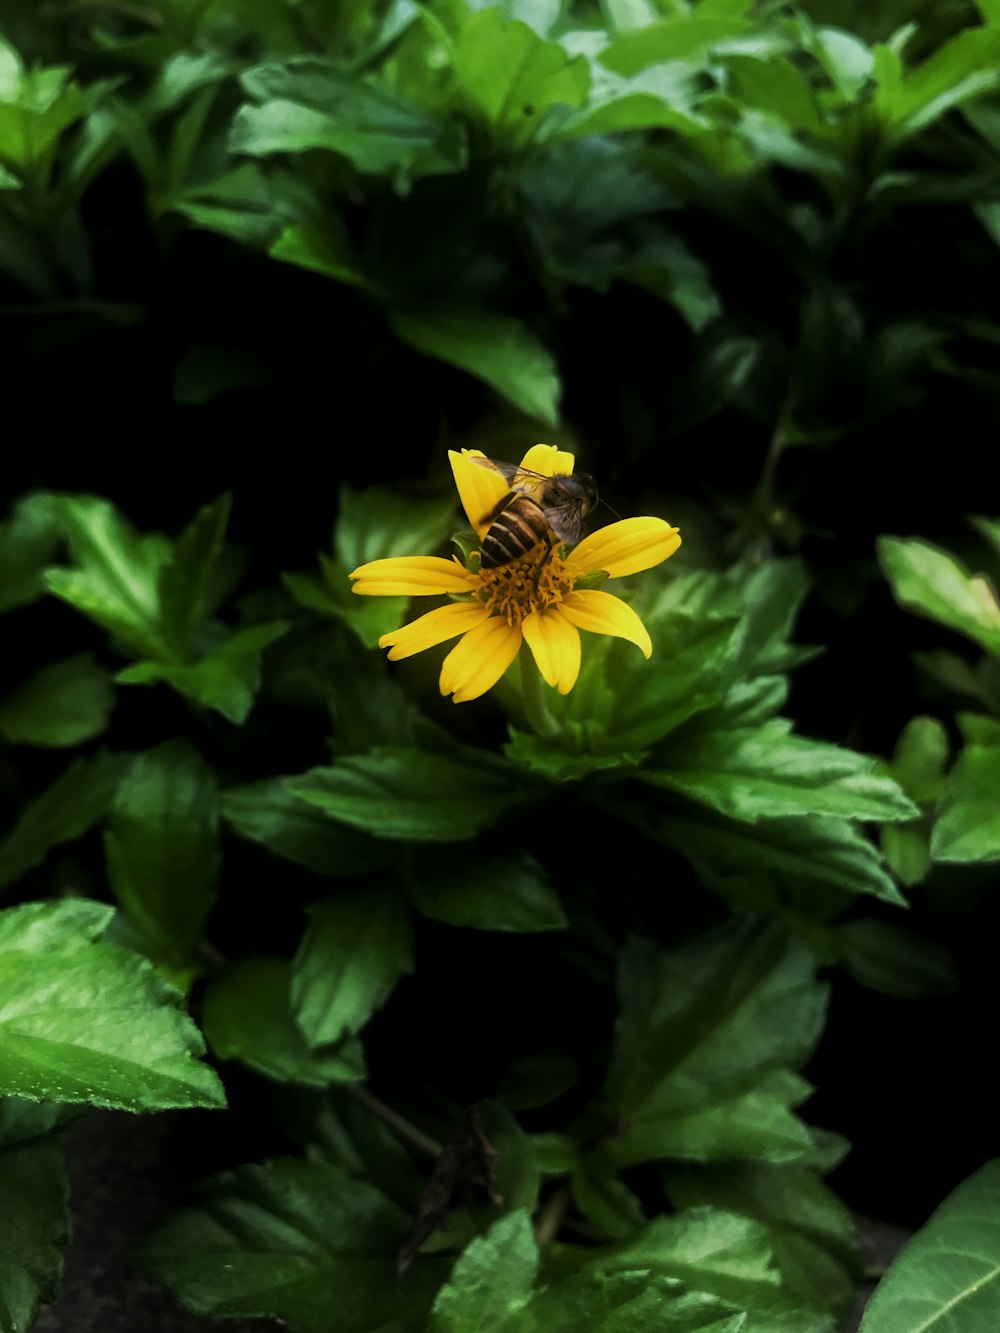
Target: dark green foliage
[536, 988]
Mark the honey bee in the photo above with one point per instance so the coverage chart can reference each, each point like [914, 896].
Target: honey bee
[536, 509]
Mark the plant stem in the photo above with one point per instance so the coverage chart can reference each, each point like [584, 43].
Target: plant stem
[550, 1219]
[532, 696]
[416, 1137]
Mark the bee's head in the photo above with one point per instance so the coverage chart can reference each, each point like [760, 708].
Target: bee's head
[577, 488]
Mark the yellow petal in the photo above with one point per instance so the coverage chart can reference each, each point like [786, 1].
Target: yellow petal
[602, 613]
[549, 460]
[411, 576]
[443, 623]
[479, 659]
[626, 547]
[479, 488]
[555, 646]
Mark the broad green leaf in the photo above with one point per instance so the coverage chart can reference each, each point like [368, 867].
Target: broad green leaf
[301, 1241]
[28, 542]
[227, 680]
[626, 1302]
[63, 704]
[85, 1021]
[947, 1278]
[967, 827]
[498, 349]
[331, 595]
[356, 947]
[965, 67]
[682, 37]
[251, 205]
[664, 97]
[510, 892]
[32, 120]
[306, 103]
[920, 758]
[492, 1280]
[162, 848]
[268, 813]
[752, 773]
[812, 1233]
[380, 522]
[322, 248]
[71, 805]
[510, 76]
[722, 1255]
[34, 1213]
[807, 850]
[183, 587]
[401, 792]
[706, 1039]
[248, 1017]
[116, 573]
[517, 1170]
[932, 583]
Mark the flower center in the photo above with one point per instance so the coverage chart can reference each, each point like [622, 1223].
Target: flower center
[535, 582]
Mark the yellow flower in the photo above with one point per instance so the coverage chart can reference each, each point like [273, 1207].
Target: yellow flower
[534, 599]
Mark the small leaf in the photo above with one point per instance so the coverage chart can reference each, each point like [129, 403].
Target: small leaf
[498, 349]
[162, 848]
[492, 1280]
[268, 813]
[967, 827]
[947, 1278]
[88, 1022]
[750, 773]
[932, 583]
[355, 949]
[248, 1017]
[28, 542]
[380, 522]
[893, 960]
[183, 586]
[65, 703]
[399, 792]
[227, 679]
[67, 809]
[114, 581]
[511, 892]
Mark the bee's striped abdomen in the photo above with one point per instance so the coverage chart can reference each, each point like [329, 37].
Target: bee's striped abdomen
[513, 533]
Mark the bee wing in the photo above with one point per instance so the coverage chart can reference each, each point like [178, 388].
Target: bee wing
[566, 522]
[517, 478]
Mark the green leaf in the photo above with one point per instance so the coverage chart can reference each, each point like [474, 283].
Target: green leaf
[626, 1302]
[300, 1241]
[227, 680]
[65, 703]
[322, 247]
[268, 813]
[117, 572]
[401, 792]
[812, 1233]
[492, 1280]
[381, 522]
[510, 892]
[705, 1041]
[248, 1017]
[932, 583]
[28, 541]
[86, 1021]
[947, 1278]
[162, 848]
[680, 37]
[34, 1213]
[965, 67]
[71, 805]
[356, 947]
[893, 960]
[719, 1255]
[183, 587]
[751, 773]
[603, 1198]
[510, 76]
[967, 827]
[307, 103]
[498, 349]
[808, 850]
[920, 759]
